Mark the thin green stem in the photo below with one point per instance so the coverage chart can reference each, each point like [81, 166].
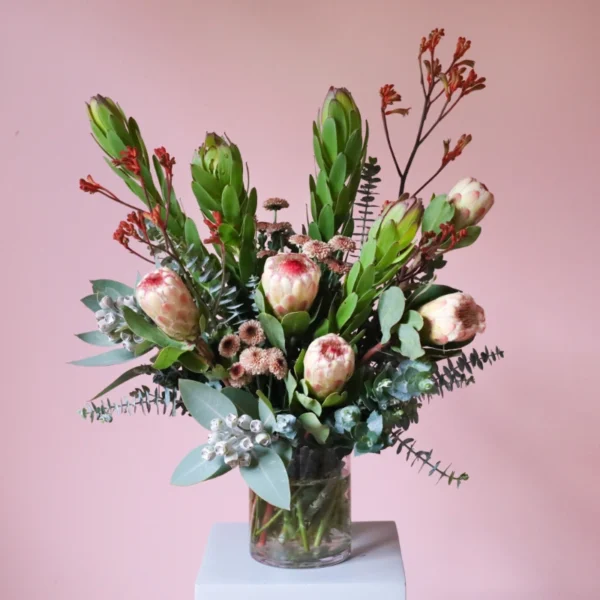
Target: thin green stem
[302, 527]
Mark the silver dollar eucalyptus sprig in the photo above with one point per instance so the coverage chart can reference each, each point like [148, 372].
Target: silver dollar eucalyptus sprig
[234, 438]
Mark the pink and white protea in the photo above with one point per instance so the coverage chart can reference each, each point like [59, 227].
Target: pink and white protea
[451, 318]
[328, 364]
[164, 297]
[290, 282]
[472, 201]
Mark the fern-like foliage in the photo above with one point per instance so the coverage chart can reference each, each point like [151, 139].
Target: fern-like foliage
[423, 458]
[161, 401]
[364, 206]
[229, 301]
[459, 373]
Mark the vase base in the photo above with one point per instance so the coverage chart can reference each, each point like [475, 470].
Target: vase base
[306, 561]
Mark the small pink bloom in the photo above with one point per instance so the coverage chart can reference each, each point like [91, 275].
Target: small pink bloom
[328, 364]
[162, 295]
[452, 318]
[290, 282]
[472, 201]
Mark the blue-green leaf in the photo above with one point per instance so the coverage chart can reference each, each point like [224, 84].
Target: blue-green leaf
[410, 342]
[204, 402]
[265, 412]
[268, 478]
[194, 469]
[245, 402]
[106, 359]
[390, 311]
[273, 330]
[102, 287]
[92, 302]
[96, 338]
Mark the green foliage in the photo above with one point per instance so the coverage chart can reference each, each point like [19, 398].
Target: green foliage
[340, 154]
[273, 330]
[437, 212]
[163, 401]
[204, 402]
[390, 310]
[365, 206]
[106, 359]
[195, 469]
[423, 459]
[268, 478]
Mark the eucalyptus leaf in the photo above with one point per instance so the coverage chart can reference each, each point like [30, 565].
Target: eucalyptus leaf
[96, 338]
[390, 311]
[92, 302]
[245, 402]
[410, 342]
[102, 286]
[268, 478]
[106, 359]
[265, 412]
[414, 319]
[195, 469]
[427, 293]
[204, 402]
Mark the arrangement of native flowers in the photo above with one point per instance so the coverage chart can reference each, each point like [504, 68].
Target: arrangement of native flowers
[332, 334]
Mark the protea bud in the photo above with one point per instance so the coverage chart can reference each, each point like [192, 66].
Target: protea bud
[290, 282]
[472, 200]
[454, 317]
[163, 296]
[344, 98]
[405, 216]
[328, 364]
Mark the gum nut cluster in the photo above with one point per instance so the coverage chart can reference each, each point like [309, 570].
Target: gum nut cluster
[452, 318]
[234, 438]
[328, 364]
[163, 296]
[472, 201]
[112, 324]
[290, 282]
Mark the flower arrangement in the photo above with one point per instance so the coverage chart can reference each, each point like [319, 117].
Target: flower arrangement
[293, 348]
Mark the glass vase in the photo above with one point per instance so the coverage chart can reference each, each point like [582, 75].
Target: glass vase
[316, 531]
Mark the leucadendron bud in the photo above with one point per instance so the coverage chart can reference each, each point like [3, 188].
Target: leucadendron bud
[290, 282]
[344, 98]
[163, 296]
[451, 318]
[472, 201]
[216, 156]
[100, 111]
[328, 364]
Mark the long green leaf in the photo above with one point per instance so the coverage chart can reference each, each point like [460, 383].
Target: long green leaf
[130, 374]
[245, 402]
[268, 479]
[107, 359]
[273, 330]
[101, 286]
[96, 338]
[204, 402]
[194, 469]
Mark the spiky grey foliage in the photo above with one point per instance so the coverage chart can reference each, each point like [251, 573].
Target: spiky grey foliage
[365, 205]
[161, 401]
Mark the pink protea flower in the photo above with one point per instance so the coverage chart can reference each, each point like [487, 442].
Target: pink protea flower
[472, 201]
[290, 282]
[452, 318]
[328, 364]
[164, 297]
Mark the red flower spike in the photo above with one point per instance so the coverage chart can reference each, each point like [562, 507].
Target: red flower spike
[450, 155]
[89, 185]
[462, 47]
[129, 161]
[165, 159]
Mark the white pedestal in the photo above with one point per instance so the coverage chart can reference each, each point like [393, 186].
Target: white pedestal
[375, 569]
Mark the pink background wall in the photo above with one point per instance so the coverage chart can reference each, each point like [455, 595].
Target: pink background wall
[87, 511]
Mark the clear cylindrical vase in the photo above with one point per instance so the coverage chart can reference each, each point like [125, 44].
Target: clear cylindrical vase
[316, 531]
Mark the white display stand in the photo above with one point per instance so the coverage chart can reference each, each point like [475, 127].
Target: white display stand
[375, 569]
